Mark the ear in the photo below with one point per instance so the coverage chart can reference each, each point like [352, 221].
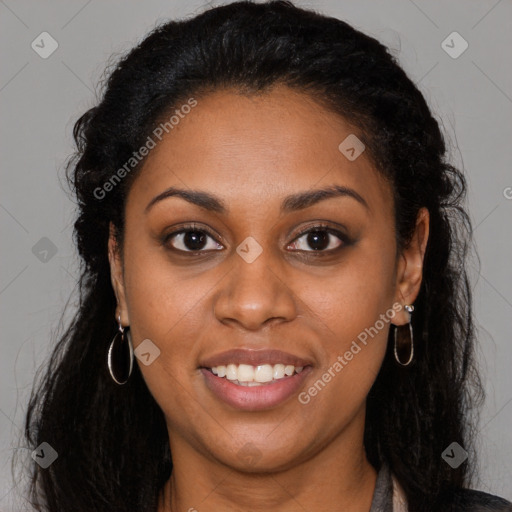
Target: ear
[116, 276]
[410, 266]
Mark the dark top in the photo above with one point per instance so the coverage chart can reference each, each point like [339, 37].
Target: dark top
[463, 500]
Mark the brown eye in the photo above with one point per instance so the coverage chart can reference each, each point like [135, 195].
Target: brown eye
[192, 240]
[319, 239]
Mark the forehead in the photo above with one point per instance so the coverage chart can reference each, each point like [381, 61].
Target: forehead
[249, 149]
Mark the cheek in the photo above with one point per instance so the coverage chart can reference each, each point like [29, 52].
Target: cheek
[166, 308]
[353, 311]
[162, 298]
[353, 295]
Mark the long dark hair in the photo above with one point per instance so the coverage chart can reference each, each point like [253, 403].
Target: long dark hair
[112, 440]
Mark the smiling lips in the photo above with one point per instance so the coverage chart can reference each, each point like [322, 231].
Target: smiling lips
[254, 379]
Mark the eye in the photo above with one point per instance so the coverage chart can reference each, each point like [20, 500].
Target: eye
[319, 238]
[192, 239]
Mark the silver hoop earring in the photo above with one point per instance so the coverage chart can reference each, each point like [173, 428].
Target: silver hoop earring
[404, 341]
[120, 356]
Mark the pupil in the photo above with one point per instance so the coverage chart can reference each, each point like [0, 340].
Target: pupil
[194, 240]
[318, 240]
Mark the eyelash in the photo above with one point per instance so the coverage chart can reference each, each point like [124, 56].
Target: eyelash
[344, 239]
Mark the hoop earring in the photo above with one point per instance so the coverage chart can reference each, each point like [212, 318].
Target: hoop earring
[120, 356]
[404, 341]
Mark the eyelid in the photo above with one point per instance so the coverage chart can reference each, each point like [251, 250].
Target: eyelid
[320, 225]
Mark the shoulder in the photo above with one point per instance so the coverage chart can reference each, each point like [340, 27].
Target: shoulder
[467, 500]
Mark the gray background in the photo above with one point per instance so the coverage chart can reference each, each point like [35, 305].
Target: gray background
[41, 98]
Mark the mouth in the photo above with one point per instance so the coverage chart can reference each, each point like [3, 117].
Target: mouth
[255, 380]
[255, 388]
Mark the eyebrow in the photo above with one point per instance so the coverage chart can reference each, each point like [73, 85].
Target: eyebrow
[291, 203]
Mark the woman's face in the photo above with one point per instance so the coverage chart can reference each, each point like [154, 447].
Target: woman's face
[220, 277]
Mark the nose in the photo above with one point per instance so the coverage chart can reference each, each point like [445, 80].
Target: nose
[254, 295]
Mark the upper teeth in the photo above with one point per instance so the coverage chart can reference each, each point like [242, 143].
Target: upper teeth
[247, 374]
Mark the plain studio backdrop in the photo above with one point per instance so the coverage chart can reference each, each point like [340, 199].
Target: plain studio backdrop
[458, 54]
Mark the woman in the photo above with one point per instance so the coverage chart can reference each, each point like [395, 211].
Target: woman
[275, 313]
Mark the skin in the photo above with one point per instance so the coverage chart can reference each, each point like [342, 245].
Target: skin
[251, 152]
